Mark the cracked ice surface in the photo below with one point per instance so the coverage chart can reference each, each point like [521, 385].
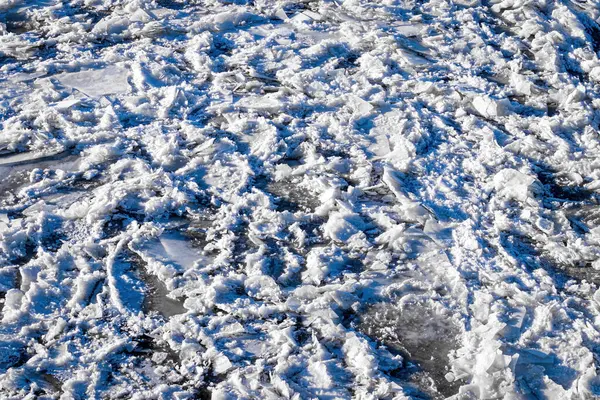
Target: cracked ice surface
[299, 199]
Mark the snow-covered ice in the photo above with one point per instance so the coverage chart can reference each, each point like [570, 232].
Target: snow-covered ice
[299, 199]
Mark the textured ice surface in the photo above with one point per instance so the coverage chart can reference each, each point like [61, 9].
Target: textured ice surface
[421, 337]
[299, 199]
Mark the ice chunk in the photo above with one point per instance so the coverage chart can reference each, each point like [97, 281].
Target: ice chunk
[320, 376]
[409, 30]
[231, 19]
[140, 15]
[262, 287]
[359, 357]
[307, 16]
[521, 84]
[13, 299]
[359, 106]
[595, 74]
[533, 356]
[512, 184]
[489, 107]
[85, 285]
[412, 58]
[221, 364]
[97, 82]
[412, 209]
[341, 226]
[279, 13]
[381, 144]
[4, 222]
[25, 77]
[260, 103]
[112, 25]
[386, 135]
[321, 263]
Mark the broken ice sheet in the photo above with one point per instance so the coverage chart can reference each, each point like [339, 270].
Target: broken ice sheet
[266, 103]
[96, 83]
[289, 194]
[17, 169]
[418, 332]
[408, 30]
[171, 248]
[33, 157]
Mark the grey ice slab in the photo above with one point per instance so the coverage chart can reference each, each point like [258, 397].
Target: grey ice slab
[157, 298]
[97, 82]
[16, 168]
[32, 157]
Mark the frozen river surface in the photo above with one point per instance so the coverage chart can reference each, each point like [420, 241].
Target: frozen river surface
[283, 199]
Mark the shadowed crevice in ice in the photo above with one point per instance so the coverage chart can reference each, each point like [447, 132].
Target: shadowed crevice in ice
[8, 281]
[17, 22]
[583, 217]
[53, 384]
[594, 32]
[288, 195]
[172, 4]
[152, 347]
[12, 354]
[420, 335]
[563, 189]
[581, 273]
[25, 253]
[527, 252]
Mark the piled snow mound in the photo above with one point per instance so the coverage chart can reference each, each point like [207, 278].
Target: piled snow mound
[299, 199]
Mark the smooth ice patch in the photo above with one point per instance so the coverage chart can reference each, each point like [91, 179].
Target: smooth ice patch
[173, 247]
[97, 82]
